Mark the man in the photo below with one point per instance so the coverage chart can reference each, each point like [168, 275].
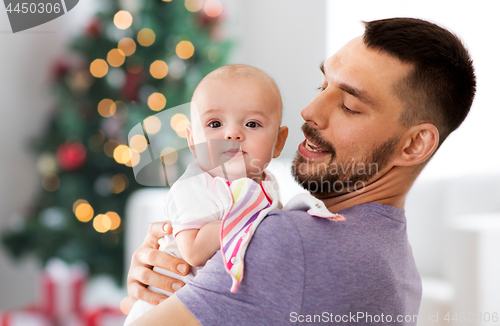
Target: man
[387, 101]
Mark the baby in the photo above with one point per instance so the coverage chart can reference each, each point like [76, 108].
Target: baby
[221, 198]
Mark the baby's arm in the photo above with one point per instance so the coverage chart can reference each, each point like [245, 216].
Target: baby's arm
[198, 246]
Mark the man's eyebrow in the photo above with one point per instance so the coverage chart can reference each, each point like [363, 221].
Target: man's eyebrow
[358, 93]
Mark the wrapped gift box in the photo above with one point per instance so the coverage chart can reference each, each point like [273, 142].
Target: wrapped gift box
[104, 316]
[23, 318]
[61, 303]
[62, 289]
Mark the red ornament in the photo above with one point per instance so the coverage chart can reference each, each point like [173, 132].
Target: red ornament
[130, 89]
[59, 68]
[205, 20]
[71, 156]
[93, 29]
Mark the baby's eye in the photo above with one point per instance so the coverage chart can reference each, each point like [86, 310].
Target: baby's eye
[214, 124]
[252, 124]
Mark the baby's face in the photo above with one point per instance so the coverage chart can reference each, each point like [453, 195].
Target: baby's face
[246, 111]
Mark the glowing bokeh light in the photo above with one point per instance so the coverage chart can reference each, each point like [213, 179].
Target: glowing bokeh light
[152, 124]
[158, 69]
[135, 158]
[115, 220]
[146, 37]
[127, 45]
[139, 143]
[121, 154]
[110, 146]
[119, 183]
[181, 125]
[169, 155]
[176, 118]
[213, 8]
[106, 108]
[184, 49]
[98, 68]
[157, 101]
[116, 57]
[193, 5]
[123, 19]
[84, 212]
[46, 163]
[102, 223]
[78, 202]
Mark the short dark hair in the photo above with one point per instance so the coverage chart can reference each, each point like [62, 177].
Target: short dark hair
[441, 87]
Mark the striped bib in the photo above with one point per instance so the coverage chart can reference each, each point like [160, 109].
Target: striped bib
[250, 205]
[247, 204]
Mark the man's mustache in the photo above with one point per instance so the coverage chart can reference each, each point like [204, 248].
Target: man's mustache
[314, 135]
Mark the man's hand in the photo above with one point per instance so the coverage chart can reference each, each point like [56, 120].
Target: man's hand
[141, 274]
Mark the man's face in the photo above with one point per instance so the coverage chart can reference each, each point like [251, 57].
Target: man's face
[352, 128]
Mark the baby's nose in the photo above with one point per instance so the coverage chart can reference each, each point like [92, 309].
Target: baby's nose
[234, 134]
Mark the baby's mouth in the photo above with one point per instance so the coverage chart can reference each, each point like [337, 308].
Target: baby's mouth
[314, 148]
[234, 152]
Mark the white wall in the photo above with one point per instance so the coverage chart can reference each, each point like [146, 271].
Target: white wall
[473, 147]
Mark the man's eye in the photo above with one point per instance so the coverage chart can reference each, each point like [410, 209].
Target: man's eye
[347, 110]
[321, 88]
[214, 124]
[252, 124]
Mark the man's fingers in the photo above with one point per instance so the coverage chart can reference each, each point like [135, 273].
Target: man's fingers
[144, 294]
[170, 263]
[160, 281]
[144, 258]
[153, 257]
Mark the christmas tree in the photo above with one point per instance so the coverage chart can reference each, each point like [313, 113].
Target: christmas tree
[125, 67]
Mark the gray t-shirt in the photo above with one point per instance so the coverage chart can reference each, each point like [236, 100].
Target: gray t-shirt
[308, 270]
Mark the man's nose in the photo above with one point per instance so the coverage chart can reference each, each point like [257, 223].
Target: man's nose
[317, 112]
[234, 133]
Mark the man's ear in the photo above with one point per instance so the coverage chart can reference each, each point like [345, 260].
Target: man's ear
[420, 143]
[280, 141]
[189, 136]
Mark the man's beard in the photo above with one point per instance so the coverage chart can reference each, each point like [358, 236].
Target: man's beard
[333, 178]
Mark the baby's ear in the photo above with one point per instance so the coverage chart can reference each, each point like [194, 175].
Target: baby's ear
[189, 136]
[280, 141]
